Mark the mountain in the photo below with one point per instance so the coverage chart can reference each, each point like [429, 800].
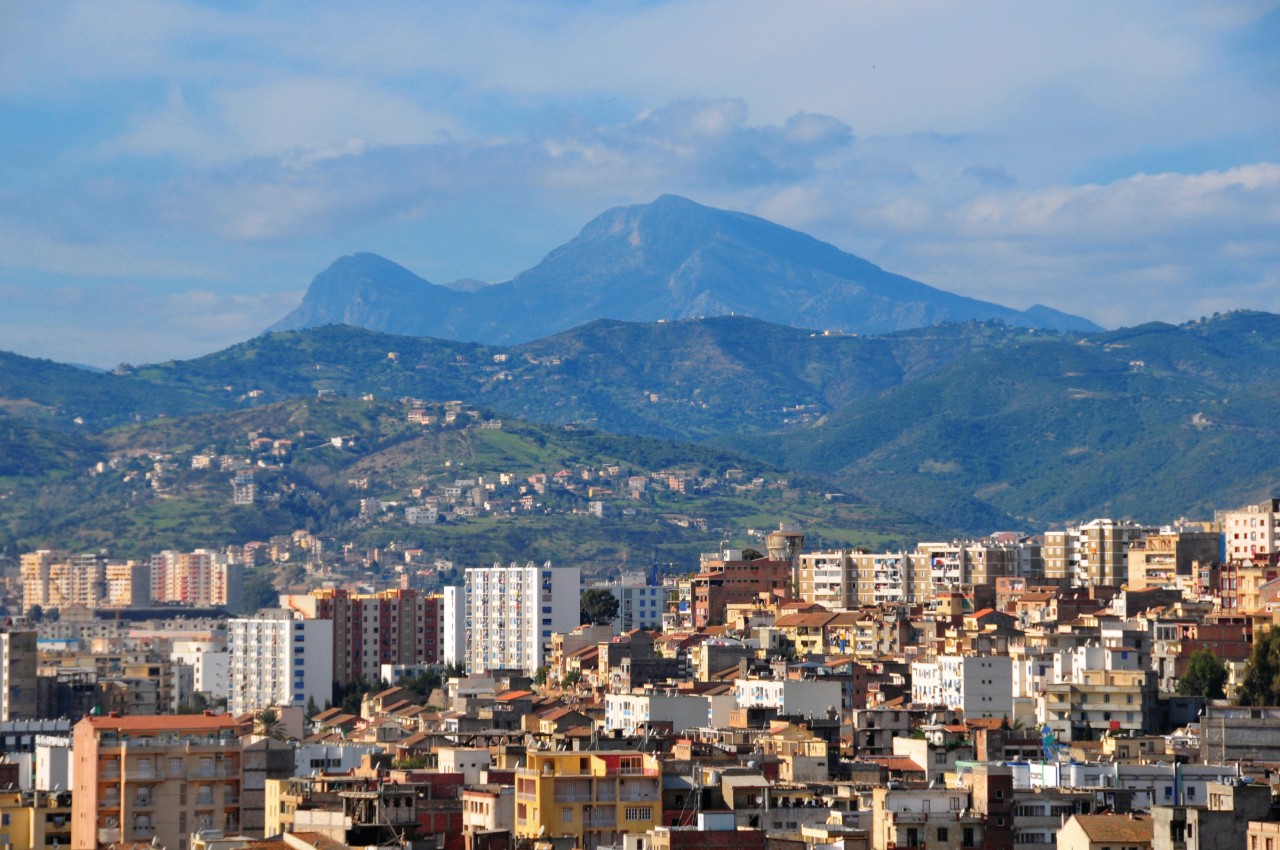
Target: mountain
[670, 259]
[972, 426]
[687, 380]
[56, 393]
[1153, 422]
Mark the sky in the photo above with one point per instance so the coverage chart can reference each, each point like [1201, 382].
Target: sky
[172, 175]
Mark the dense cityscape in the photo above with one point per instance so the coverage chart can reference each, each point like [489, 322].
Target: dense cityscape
[1109, 684]
[656, 425]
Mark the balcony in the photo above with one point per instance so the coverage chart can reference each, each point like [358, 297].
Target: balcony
[145, 776]
[911, 817]
[109, 835]
[576, 797]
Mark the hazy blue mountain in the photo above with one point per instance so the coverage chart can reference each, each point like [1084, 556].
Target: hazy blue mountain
[670, 259]
[368, 291]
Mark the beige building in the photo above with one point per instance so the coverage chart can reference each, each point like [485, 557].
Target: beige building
[1106, 832]
[154, 777]
[840, 579]
[1092, 554]
[1250, 531]
[53, 579]
[1162, 558]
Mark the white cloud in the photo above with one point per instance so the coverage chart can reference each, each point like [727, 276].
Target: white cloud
[1163, 246]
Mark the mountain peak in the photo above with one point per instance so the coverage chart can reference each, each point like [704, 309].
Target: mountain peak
[671, 258]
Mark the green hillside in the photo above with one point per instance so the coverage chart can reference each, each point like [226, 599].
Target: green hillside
[342, 452]
[1153, 422]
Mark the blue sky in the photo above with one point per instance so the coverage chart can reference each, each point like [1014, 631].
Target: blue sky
[173, 174]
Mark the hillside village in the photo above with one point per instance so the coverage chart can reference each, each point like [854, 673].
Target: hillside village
[1107, 685]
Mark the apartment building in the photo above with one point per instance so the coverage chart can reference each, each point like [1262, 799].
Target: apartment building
[369, 630]
[512, 612]
[594, 797]
[1163, 557]
[36, 820]
[1250, 531]
[843, 579]
[1097, 690]
[1092, 554]
[828, 579]
[979, 685]
[18, 660]
[161, 778]
[640, 604]
[453, 625]
[728, 578]
[201, 579]
[278, 659]
[53, 579]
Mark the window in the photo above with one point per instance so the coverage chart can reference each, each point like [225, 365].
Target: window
[639, 813]
[566, 814]
[942, 833]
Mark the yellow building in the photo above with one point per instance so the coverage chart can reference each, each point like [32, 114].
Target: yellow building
[35, 820]
[596, 797]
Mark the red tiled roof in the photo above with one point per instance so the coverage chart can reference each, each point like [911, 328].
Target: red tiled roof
[508, 696]
[164, 722]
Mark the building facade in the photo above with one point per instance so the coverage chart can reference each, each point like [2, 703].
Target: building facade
[139, 779]
[369, 630]
[511, 613]
[278, 660]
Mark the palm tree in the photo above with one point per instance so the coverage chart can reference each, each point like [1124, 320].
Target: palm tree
[267, 724]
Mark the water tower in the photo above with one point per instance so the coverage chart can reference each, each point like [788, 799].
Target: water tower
[786, 544]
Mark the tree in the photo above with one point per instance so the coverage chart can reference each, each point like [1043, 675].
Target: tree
[1206, 676]
[540, 675]
[1261, 685]
[599, 607]
[267, 724]
[572, 679]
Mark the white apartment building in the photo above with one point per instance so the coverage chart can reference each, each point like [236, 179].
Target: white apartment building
[278, 659]
[1251, 530]
[979, 685]
[453, 625]
[512, 612]
[630, 712]
[640, 604]
[208, 660]
[801, 697]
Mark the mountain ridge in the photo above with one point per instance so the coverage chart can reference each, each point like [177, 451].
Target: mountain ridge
[669, 259]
